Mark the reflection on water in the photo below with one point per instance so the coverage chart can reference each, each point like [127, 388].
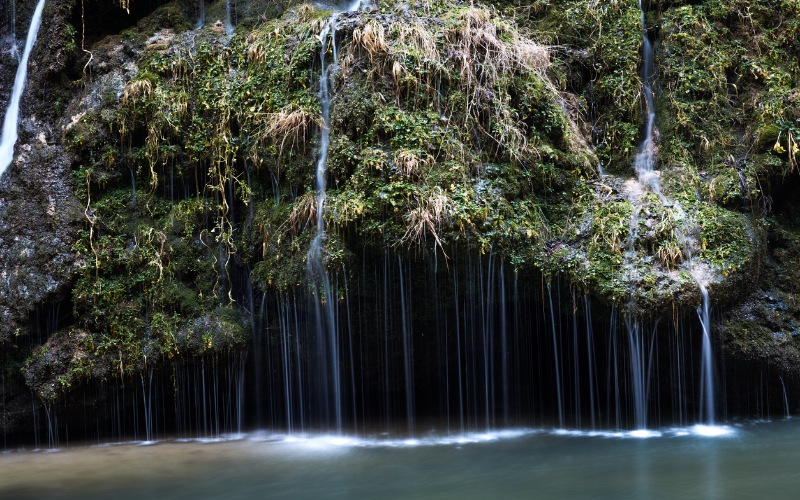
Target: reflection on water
[748, 460]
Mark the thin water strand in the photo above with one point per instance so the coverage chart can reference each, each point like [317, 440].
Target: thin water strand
[556, 359]
[201, 14]
[786, 411]
[228, 18]
[11, 121]
[707, 369]
[645, 158]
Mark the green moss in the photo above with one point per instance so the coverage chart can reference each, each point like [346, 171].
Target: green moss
[451, 127]
[600, 63]
[725, 103]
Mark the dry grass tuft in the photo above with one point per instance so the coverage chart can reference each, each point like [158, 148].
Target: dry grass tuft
[532, 56]
[306, 11]
[485, 51]
[257, 51]
[138, 89]
[408, 163]
[485, 56]
[479, 52]
[346, 66]
[304, 212]
[428, 218]
[371, 38]
[670, 255]
[289, 125]
[419, 38]
[475, 51]
[397, 75]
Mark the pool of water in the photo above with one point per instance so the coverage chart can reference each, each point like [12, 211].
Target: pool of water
[748, 460]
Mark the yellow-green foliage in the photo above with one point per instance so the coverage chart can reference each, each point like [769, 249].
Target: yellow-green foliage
[149, 284]
[452, 125]
[445, 126]
[451, 130]
[731, 99]
[597, 56]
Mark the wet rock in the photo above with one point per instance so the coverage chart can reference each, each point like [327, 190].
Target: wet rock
[58, 364]
[39, 220]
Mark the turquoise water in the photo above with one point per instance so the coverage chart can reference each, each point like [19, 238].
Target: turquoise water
[749, 460]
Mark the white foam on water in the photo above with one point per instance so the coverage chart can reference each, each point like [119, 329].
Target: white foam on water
[644, 434]
[343, 442]
[609, 434]
[321, 441]
[712, 430]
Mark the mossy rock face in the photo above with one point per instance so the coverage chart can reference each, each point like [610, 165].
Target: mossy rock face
[766, 326]
[73, 356]
[64, 361]
[429, 146]
[648, 253]
[598, 56]
[39, 219]
[446, 138]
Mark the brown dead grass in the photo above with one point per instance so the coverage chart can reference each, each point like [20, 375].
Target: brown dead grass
[289, 126]
[138, 89]
[409, 164]
[428, 218]
[371, 38]
[304, 212]
[486, 50]
[420, 39]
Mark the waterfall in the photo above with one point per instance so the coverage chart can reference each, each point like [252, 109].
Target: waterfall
[786, 412]
[323, 296]
[556, 358]
[590, 368]
[13, 8]
[147, 404]
[388, 359]
[649, 179]
[636, 340]
[408, 348]
[201, 14]
[9, 138]
[707, 368]
[641, 367]
[228, 18]
[645, 158]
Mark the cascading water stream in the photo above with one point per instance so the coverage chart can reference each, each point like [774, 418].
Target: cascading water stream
[649, 179]
[201, 14]
[639, 372]
[324, 299]
[707, 367]
[645, 158]
[644, 165]
[228, 18]
[10, 123]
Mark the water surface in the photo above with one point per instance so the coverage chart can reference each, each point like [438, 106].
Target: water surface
[753, 460]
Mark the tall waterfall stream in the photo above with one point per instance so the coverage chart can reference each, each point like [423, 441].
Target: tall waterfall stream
[11, 120]
[649, 178]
